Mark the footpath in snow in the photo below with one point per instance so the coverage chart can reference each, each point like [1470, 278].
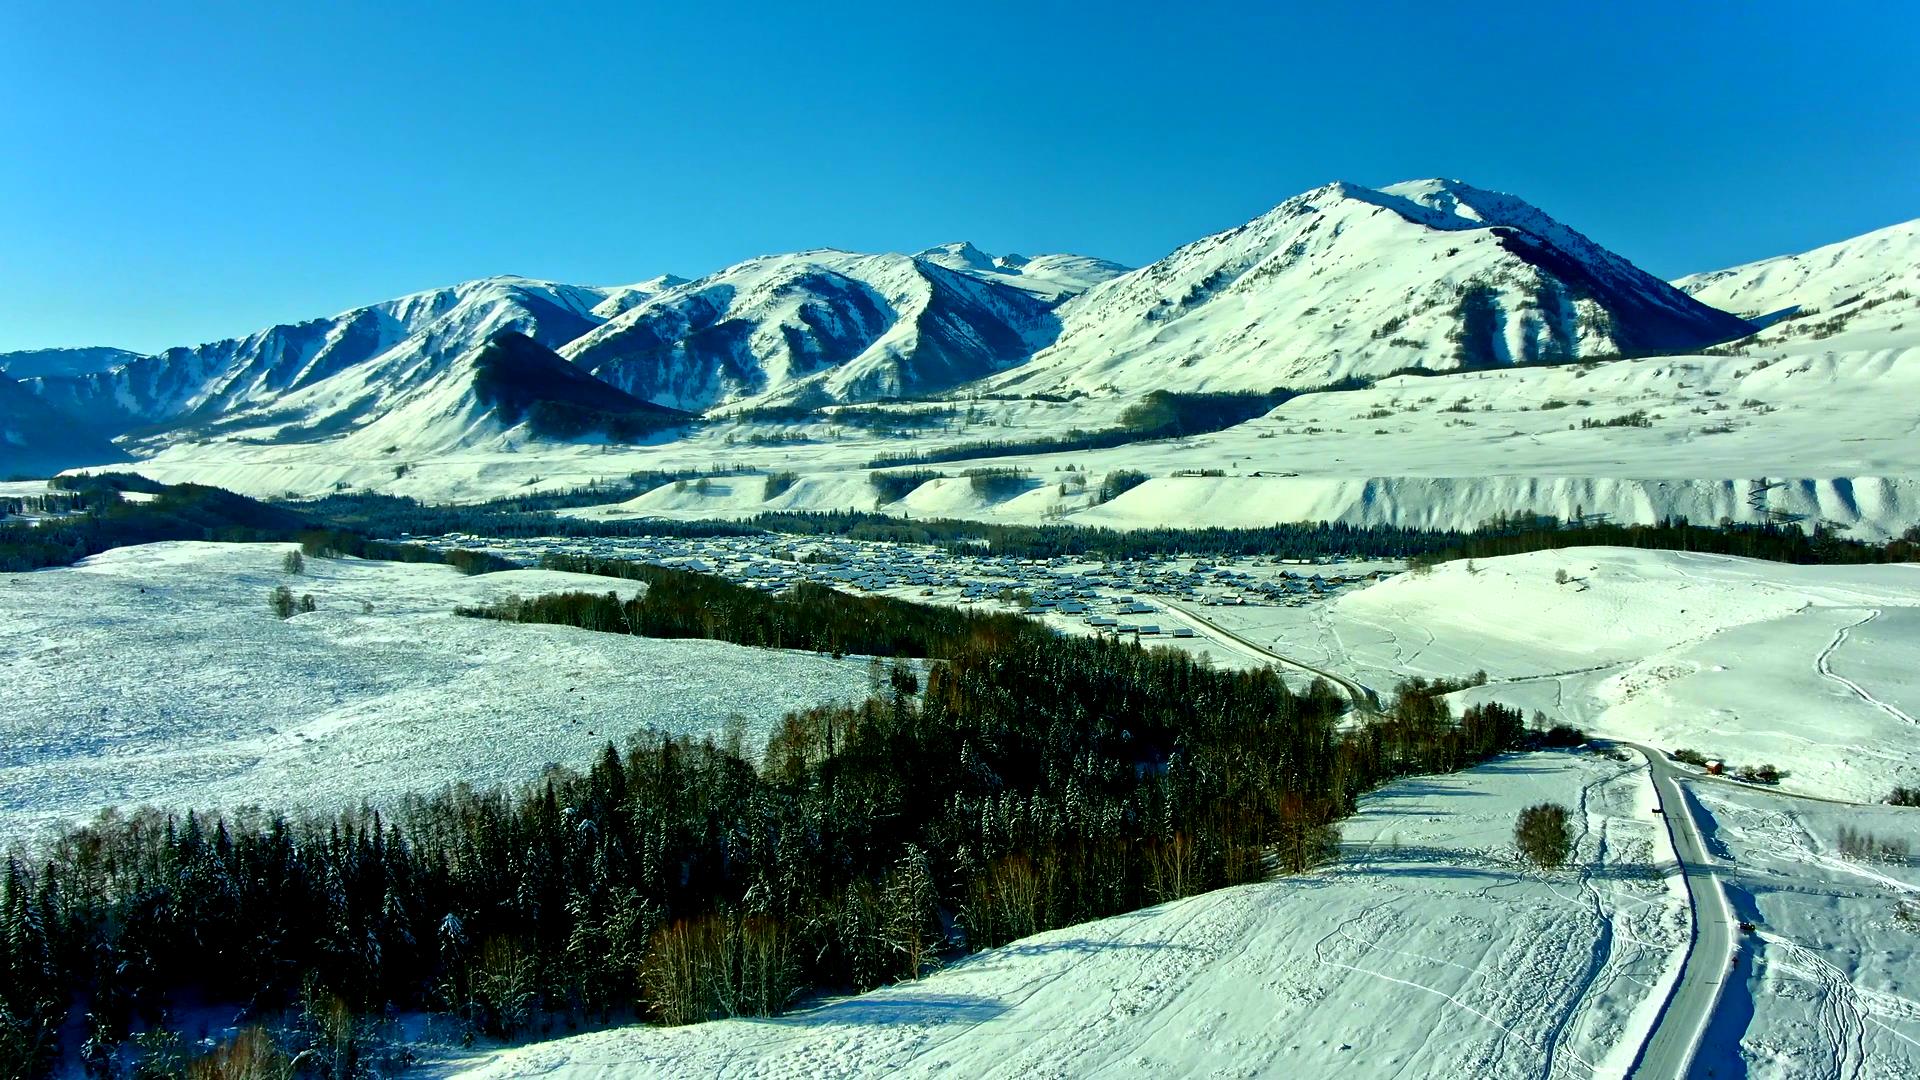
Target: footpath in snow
[1828, 985]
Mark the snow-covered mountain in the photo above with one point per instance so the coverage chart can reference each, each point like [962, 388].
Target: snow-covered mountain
[39, 440]
[1864, 288]
[1050, 277]
[1346, 280]
[817, 326]
[621, 298]
[34, 363]
[322, 375]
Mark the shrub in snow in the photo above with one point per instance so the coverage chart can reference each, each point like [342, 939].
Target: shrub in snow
[1543, 836]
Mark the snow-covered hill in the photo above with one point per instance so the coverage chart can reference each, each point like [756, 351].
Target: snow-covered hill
[1427, 951]
[504, 392]
[816, 326]
[1349, 280]
[156, 675]
[1862, 292]
[1808, 668]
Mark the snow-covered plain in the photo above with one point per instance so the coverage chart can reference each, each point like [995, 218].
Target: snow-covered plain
[1814, 669]
[156, 674]
[1829, 983]
[1427, 951]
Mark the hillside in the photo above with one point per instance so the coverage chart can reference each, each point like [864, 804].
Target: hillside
[1425, 952]
[39, 440]
[521, 379]
[1808, 668]
[379, 692]
[1346, 280]
[1859, 293]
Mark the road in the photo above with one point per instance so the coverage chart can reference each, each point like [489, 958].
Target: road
[1669, 1049]
[1364, 700]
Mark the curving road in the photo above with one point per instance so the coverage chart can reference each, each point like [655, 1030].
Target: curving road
[1669, 1049]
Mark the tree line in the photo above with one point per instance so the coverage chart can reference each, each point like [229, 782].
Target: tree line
[811, 616]
[1786, 543]
[193, 512]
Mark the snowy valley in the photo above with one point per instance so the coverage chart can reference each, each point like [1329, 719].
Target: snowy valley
[949, 663]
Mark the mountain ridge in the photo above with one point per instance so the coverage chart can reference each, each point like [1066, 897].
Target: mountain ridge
[1338, 281]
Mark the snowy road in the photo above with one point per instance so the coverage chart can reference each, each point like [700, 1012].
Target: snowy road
[1670, 1049]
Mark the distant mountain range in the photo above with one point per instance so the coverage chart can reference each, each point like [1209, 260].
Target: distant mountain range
[1342, 280]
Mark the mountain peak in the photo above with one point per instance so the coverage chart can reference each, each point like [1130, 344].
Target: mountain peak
[1351, 280]
[961, 255]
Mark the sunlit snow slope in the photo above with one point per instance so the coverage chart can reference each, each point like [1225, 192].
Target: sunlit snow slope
[1347, 280]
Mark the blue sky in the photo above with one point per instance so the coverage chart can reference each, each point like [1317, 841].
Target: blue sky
[175, 173]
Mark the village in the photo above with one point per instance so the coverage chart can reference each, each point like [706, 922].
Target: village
[1144, 598]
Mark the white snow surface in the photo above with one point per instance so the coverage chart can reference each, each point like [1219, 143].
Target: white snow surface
[1427, 951]
[1829, 982]
[1813, 669]
[1052, 277]
[156, 675]
[1821, 280]
[1829, 436]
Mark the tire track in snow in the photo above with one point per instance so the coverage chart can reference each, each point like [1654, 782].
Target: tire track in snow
[1842, 1019]
[1823, 665]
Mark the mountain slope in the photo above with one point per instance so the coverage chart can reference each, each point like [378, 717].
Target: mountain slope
[1051, 277]
[38, 440]
[1855, 287]
[520, 378]
[815, 326]
[34, 363]
[1347, 280]
[198, 391]
[506, 390]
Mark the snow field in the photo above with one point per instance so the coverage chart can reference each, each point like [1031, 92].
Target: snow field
[1823, 436]
[155, 674]
[1829, 984]
[1809, 668]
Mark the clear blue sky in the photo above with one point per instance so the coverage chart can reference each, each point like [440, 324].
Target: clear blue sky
[174, 173]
